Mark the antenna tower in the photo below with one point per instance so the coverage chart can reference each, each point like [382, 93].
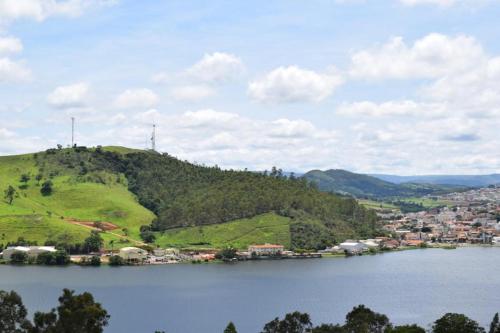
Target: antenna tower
[72, 131]
[153, 138]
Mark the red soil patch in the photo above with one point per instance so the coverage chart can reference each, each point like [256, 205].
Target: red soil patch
[105, 226]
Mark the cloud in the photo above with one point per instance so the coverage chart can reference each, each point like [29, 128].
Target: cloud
[10, 45]
[13, 71]
[69, 96]
[392, 108]
[160, 77]
[217, 67]
[293, 84]
[192, 92]
[39, 10]
[433, 56]
[136, 98]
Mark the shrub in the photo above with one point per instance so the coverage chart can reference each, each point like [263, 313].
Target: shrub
[116, 261]
[18, 257]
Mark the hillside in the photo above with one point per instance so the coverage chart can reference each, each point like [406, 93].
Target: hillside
[127, 191]
[460, 180]
[61, 217]
[365, 186]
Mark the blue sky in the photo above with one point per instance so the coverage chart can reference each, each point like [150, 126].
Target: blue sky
[394, 86]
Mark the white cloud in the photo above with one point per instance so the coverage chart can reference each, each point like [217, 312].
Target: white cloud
[69, 96]
[192, 92]
[432, 56]
[10, 45]
[39, 10]
[160, 77]
[293, 84]
[13, 71]
[217, 67]
[393, 108]
[136, 98]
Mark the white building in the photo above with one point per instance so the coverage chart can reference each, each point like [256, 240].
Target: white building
[352, 246]
[133, 254]
[265, 249]
[31, 251]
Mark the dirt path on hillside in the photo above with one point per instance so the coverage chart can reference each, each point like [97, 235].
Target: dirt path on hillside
[107, 227]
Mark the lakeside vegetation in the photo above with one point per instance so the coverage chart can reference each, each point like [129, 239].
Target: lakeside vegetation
[81, 313]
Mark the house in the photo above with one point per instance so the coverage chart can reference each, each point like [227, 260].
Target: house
[134, 254]
[351, 246]
[31, 251]
[266, 249]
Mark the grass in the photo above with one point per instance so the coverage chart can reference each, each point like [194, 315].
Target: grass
[38, 228]
[266, 228]
[428, 202]
[376, 205]
[40, 218]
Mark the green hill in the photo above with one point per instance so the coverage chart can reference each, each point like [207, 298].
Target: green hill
[127, 191]
[364, 186]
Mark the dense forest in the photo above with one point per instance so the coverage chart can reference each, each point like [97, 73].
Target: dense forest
[183, 194]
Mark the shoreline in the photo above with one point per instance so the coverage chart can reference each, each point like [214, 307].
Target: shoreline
[219, 261]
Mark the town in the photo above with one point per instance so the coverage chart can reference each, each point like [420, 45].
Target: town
[470, 217]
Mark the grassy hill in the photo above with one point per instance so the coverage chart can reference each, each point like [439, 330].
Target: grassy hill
[365, 186]
[40, 218]
[128, 190]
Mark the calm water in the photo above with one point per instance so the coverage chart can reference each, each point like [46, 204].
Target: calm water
[413, 286]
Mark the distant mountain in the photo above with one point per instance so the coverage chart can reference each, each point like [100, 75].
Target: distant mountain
[360, 185]
[461, 180]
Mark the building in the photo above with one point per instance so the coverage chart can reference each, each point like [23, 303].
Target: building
[134, 254]
[31, 251]
[266, 249]
[352, 246]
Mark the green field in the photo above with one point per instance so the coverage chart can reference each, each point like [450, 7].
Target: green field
[376, 204]
[41, 218]
[266, 228]
[428, 202]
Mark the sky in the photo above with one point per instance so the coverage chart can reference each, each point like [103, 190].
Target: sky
[375, 86]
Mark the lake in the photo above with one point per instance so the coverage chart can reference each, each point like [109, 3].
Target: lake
[415, 286]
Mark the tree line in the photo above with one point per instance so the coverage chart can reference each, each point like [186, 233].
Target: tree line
[80, 313]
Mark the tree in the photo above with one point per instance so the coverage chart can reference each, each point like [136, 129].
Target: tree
[226, 254]
[10, 194]
[94, 242]
[230, 328]
[95, 261]
[495, 324]
[12, 313]
[46, 189]
[454, 322]
[25, 178]
[116, 261]
[75, 313]
[38, 178]
[18, 257]
[328, 328]
[407, 329]
[295, 322]
[363, 320]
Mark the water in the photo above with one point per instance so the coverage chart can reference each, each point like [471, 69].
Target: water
[410, 287]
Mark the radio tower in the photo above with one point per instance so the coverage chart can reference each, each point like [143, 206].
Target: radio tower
[153, 138]
[72, 131]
